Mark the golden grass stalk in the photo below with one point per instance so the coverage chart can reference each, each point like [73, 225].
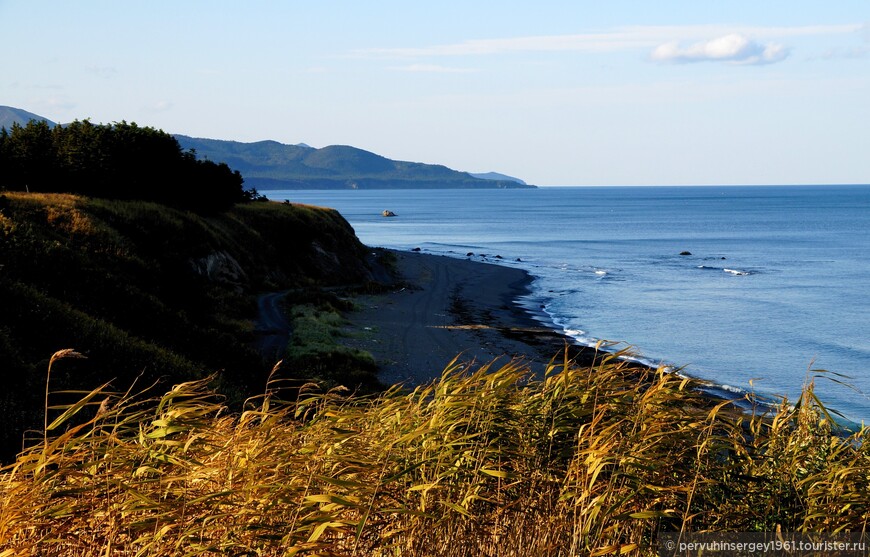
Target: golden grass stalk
[484, 461]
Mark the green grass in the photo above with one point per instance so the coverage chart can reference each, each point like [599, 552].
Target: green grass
[315, 351]
[585, 461]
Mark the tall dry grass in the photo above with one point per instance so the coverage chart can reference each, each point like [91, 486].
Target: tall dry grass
[484, 461]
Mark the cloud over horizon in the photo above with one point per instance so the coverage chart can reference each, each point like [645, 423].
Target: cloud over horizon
[733, 48]
[431, 68]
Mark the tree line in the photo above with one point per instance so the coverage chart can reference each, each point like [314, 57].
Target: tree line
[117, 161]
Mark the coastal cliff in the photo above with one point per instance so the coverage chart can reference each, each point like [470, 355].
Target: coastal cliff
[150, 291]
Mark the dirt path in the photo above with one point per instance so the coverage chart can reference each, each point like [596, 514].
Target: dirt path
[271, 327]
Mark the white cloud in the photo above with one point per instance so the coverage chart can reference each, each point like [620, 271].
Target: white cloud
[852, 53]
[160, 106]
[617, 39]
[555, 43]
[733, 48]
[431, 68]
[623, 39]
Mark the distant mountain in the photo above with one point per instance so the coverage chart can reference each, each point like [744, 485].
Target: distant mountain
[269, 165]
[497, 176]
[10, 115]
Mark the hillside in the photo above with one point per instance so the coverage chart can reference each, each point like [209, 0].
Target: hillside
[147, 290]
[271, 165]
[497, 176]
[10, 115]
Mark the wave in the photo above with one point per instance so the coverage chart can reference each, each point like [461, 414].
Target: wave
[583, 338]
[745, 399]
[735, 272]
[537, 304]
[601, 274]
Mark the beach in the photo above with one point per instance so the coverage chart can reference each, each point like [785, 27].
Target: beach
[447, 308]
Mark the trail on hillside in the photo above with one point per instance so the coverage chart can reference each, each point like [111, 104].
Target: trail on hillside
[272, 327]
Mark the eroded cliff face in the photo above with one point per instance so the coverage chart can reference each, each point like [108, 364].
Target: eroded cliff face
[221, 267]
[331, 265]
[301, 245]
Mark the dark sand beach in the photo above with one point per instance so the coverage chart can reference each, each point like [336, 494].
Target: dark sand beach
[450, 307]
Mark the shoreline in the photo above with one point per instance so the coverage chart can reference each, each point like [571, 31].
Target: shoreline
[453, 308]
[450, 308]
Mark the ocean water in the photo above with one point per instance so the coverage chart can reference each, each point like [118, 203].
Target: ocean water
[777, 283]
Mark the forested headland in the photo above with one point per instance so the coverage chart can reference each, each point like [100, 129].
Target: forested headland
[115, 161]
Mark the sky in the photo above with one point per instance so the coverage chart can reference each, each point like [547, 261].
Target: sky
[696, 92]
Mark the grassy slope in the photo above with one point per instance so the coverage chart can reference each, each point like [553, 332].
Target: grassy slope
[129, 285]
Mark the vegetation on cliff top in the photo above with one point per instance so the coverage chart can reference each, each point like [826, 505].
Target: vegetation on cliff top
[117, 161]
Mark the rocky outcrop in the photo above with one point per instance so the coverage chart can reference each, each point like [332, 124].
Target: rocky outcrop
[326, 262]
[221, 267]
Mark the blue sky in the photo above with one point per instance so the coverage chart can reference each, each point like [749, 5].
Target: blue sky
[556, 93]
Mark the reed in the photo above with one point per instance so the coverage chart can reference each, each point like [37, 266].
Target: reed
[484, 461]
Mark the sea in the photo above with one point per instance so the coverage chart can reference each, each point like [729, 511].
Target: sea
[753, 289]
